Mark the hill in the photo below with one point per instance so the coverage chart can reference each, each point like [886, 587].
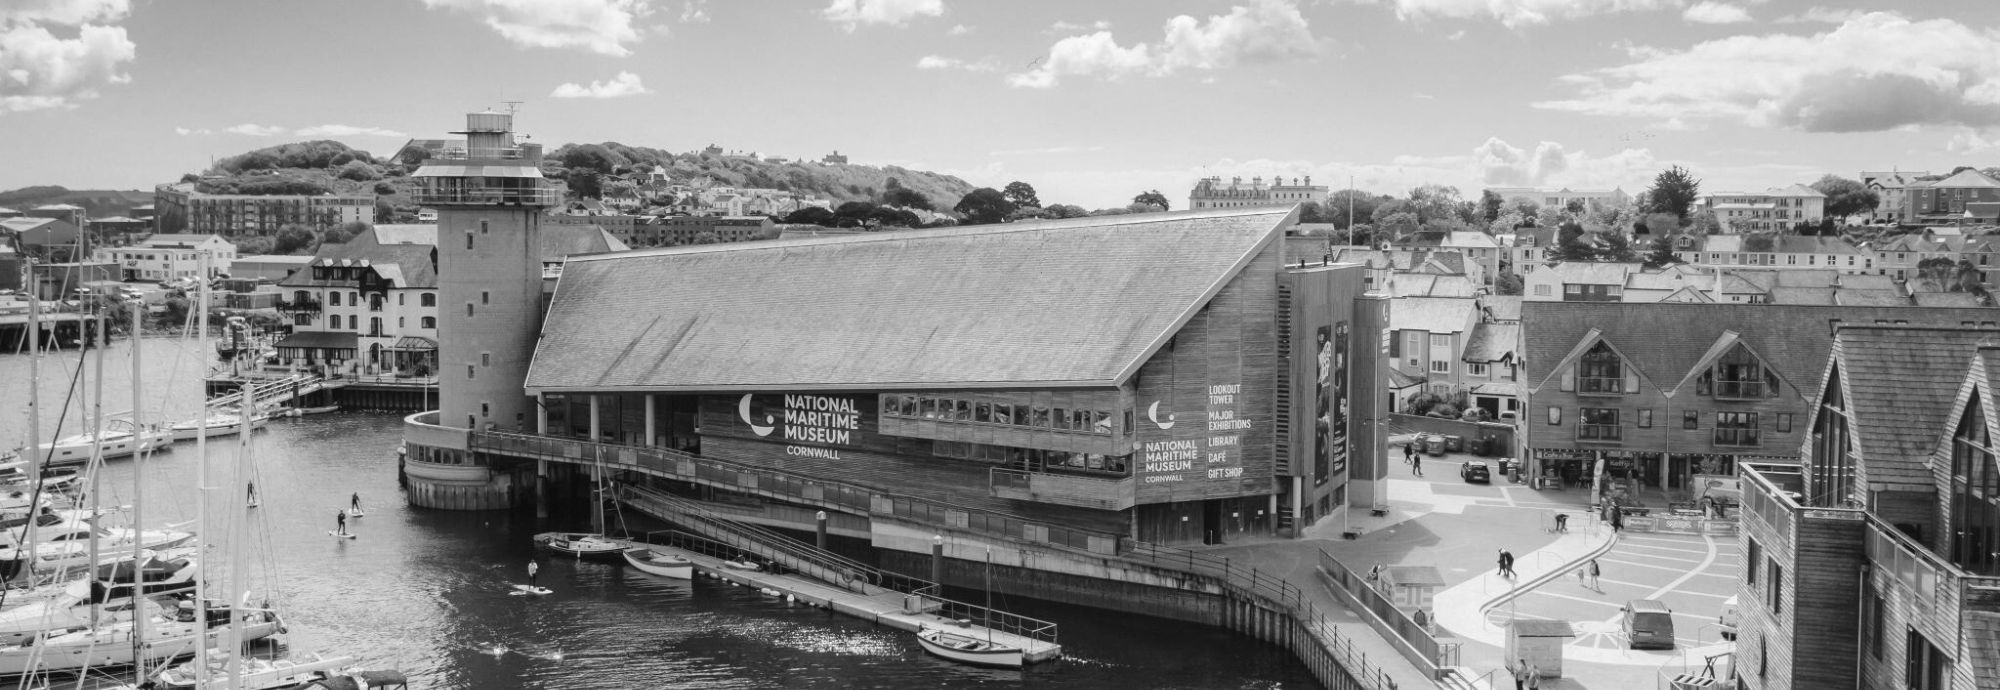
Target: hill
[96, 203]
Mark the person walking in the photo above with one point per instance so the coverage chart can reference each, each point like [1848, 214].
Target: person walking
[1417, 465]
[1593, 573]
[1534, 677]
[1617, 519]
[1506, 564]
[533, 567]
[1520, 674]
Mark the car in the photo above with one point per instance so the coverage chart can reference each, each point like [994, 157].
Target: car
[1729, 618]
[1647, 624]
[1475, 471]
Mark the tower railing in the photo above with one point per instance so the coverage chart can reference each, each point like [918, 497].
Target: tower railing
[488, 196]
[459, 153]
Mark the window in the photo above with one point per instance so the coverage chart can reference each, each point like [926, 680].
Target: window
[399, 299]
[401, 322]
[1601, 371]
[468, 371]
[1735, 428]
[1572, 289]
[1975, 494]
[485, 410]
[1062, 420]
[468, 240]
[302, 319]
[1777, 591]
[1784, 422]
[1597, 424]
[1690, 420]
[982, 412]
[1925, 665]
[333, 298]
[485, 297]
[1646, 418]
[374, 303]
[428, 322]
[1555, 416]
[1475, 369]
[1441, 366]
[482, 226]
[468, 309]
[1738, 375]
[1542, 291]
[485, 359]
[1753, 558]
[1414, 348]
[428, 299]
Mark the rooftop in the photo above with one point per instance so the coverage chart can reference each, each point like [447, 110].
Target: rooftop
[1900, 382]
[1432, 314]
[1077, 302]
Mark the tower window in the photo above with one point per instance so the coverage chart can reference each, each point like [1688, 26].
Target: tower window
[468, 240]
[468, 371]
[485, 359]
[485, 410]
[485, 297]
[468, 309]
[482, 226]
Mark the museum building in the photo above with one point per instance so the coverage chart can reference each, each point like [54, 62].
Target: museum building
[1171, 377]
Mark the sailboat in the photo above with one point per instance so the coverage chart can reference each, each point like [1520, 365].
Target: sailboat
[217, 423]
[968, 649]
[122, 439]
[587, 545]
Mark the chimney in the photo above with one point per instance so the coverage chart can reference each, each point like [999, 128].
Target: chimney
[1309, 180]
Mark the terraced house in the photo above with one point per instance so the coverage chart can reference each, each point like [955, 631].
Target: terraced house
[1875, 562]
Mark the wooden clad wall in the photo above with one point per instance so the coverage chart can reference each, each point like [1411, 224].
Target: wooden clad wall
[1765, 639]
[1323, 446]
[1821, 590]
[1228, 349]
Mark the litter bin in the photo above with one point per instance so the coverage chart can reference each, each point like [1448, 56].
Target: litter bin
[1434, 444]
[1476, 446]
[1454, 444]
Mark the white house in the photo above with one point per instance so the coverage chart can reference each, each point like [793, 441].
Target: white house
[170, 257]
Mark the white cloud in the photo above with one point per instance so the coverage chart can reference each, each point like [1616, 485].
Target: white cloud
[1971, 141]
[193, 131]
[39, 70]
[63, 12]
[255, 130]
[1875, 72]
[850, 14]
[694, 12]
[1263, 32]
[1065, 27]
[1708, 12]
[958, 30]
[1045, 151]
[625, 84]
[1518, 13]
[346, 131]
[1455, 35]
[1822, 15]
[599, 26]
[941, 62]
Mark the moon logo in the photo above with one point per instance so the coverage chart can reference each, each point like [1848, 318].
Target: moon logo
[743, 409]
[1152, 413]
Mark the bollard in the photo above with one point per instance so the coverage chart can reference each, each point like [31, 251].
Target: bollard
[937, 562]
[822, 529]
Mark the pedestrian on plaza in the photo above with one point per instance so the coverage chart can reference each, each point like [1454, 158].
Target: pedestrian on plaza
[1562, 522]
[1520, 674]
[1506, 564]
[1534, 677]
[1593, 573]
[1417, 465]
[1617, 519]
[1410, 453]
[1423, 621]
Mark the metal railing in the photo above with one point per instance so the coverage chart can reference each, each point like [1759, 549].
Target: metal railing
[495, 196]
[1102, 493]
[310, 306]
[459, 153]
[1400, 623]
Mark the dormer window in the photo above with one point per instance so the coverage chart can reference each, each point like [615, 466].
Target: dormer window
[1738, 375]
[1601, 370]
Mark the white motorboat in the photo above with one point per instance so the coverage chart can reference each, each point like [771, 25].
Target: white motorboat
[661, 564]
[218, 424]
[120, 440]
[282, 674]
[67, 545]
[113, 644]
[967, 649]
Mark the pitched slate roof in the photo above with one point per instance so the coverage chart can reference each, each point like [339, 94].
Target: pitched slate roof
[1069, 302]
[1432, 314]
[1492, 342]
[1503, 307]
[1965, 178]
[1982, 637]
[1803, 295]
[403, 265]
[1947, 299]
[1900, 382]
[1664, 339]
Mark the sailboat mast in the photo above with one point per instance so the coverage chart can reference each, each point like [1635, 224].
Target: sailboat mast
[139, 614]
[201, 497]
[36, 456]
[96, 466]
[989, 595]
[238, 550]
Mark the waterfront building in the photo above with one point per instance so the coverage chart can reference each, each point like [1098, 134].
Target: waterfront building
[1875, 562]
[363, 307]
[181, 209]
[1212, 192]
[45, 239]
[68, 213]
[1781, 209]
[170, 257]
[1225, 397]
[1775, 250]
[1660, 391]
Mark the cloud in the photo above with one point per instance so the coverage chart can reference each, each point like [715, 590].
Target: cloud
[1707, 12]
[958, 30]
[1971, 141]
[1519, 13]
[346, 131]
[1045, 151]
[625, 84]
[1875, 72]
[1265, 31]
[945, 63]
[850, 14]
[255, 130]
[193, 131]
[1455, 35]
[40, 71]
[1822, 15]
[694, 12]
[598, 26]
[63, 12]
[1066, 27]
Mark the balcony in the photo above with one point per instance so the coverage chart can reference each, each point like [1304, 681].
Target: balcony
[459, 153]
[1739, 390]
[487, 196]
[1736, 437]
[307, 306]
[1598, 433]
[1102, 493]
[1590, 385]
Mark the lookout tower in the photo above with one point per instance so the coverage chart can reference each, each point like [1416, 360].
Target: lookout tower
[490, 197]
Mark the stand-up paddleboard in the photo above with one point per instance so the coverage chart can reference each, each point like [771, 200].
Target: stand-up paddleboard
[349, 535]
[251, 503]
[524, 590]
[355, 513]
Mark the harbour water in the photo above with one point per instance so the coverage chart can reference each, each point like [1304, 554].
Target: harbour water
[428, 591]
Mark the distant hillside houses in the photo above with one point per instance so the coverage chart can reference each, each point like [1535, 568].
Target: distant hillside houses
[1631, 282]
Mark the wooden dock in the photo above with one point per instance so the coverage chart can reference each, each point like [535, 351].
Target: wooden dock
[881, 606]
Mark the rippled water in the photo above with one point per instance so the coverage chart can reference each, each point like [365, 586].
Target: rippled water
[427, 591]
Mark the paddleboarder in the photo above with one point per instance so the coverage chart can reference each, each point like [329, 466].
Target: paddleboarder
[355, 503]
[340, 518]
[533, 567]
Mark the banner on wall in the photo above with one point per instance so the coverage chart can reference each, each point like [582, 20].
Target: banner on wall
[810, 425]
[1331, 408]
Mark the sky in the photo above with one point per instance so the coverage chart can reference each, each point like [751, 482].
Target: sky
[1090, 102]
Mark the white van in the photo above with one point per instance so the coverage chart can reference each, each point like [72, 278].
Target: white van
[1729, 618]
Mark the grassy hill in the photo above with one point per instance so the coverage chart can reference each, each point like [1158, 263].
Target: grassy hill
[97, 203]
[839, 182]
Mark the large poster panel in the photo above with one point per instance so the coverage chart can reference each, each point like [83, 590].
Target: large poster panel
[810, 425]
[1335, 450]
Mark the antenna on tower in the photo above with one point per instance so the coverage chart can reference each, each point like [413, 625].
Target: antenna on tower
[513, 106]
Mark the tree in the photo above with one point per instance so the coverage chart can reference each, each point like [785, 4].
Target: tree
[812, 215]
[1674, 191]
[1939, 270]
[359, 172]
[983, 206]
[1028, 213]
[583, 184]
[1616, 249]
[906, 197]
[1552, 216]
[1573, 244]
[1311, 212]
[854, 213]
[291, 239]
[1339, 203]
[590, 156]
[1153, 197]
[1845, 197]
[1396, 225]
[1144, 207]
[1662, 254]
[1021, 194]
[1066, 211]
[342, 233]
[1657, 224]
[1489, 205]
[1507, 284]
[1434, 201]
[384, 189]
[1506, 223]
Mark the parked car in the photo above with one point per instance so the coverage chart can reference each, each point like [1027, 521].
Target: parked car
[1475, 471]
[1648, 624]
[1729, 618]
